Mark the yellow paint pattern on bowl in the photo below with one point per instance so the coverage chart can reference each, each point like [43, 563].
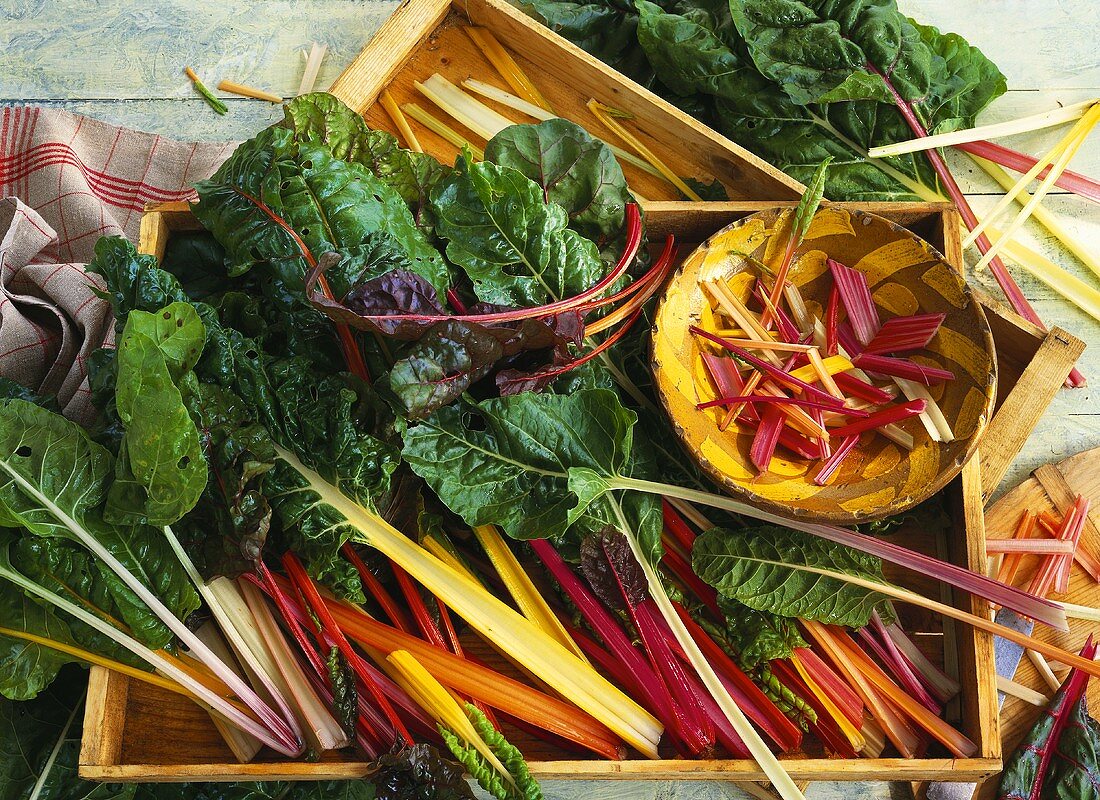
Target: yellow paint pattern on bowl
[896, 299]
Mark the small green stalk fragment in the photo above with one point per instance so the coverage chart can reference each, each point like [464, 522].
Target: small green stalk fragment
[211, 99]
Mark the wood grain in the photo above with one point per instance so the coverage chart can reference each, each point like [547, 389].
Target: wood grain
[1049, 489]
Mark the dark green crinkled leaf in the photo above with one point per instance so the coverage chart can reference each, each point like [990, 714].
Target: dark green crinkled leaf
[27, 668]
[40, 746]
[197, 261]
[276, 196]
[133, 280]
[758, 636]
[64, 472]
[814, 51]
[575, 171]
[515, 247]
[226, 532]
[71, 572]
[159, 472]
[605, 29]
[345, 695]
[760, 568]
[419, 772]
[321, 118]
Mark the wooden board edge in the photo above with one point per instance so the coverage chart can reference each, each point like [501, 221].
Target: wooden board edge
[1028, 400]
[104, 720]
[734, 771]
[372, 70]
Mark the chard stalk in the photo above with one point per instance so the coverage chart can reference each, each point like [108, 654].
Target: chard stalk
[759, 750]
[289, 741]
[221, 705]
[1023, 603]
[1012, 291]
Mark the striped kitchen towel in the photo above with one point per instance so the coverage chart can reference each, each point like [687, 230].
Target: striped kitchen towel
[65, 181]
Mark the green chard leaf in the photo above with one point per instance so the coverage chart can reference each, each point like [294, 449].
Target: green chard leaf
[758, 636]
[320, 118]
[525, 787]
[766, 568]
[281, 203]
[53, 478]
[27, 668]
[536, 464]
[40, 747]
[159, 472]
[515, 247]
[134, 281]
[577, 172]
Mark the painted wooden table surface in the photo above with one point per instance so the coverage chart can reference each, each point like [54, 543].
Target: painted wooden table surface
[121, 61]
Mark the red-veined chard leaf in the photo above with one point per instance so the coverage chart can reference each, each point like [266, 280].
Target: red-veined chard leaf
[1057, 759]
[54, 479]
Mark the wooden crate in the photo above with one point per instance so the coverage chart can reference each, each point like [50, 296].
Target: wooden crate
[136, 733]
[423, 37]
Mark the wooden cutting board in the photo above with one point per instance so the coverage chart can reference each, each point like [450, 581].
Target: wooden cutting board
[1052, 487]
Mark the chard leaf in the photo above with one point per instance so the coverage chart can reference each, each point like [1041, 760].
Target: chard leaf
[514, 461]
[40, 747]
[740, 79]
[282, 204]
[758, 636]
[54, 479]
[765, 568]
[442, 366]
[506, 460]
[419, 772]
[160, 472]
[575, 171]
[515, 247]
[321, 118]
[134, 281]
[27, 668]
[1075, 772]
[525, 788]
[226, 532]
[612, 571]
[1057, 758]
[70, 571]
[344, 692]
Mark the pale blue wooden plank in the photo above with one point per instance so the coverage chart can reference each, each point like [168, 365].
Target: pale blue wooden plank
[127, 49]
[188, 119]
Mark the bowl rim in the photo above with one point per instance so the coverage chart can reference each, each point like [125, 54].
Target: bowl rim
[837, 515]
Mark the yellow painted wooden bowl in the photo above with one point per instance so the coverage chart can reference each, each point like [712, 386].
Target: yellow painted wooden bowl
[906, 276]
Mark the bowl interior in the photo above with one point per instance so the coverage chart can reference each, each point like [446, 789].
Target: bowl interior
[906, 276]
